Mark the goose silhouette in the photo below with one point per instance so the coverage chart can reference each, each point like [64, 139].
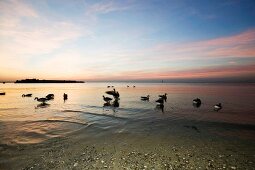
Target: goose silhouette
[145, 97]
[160, 101]
[43, 100]
[197, 101]
[65, 96]
[164, 97]
[112, 92]
[50, 96]
[107, 99]
[217, 107]
[27, 95]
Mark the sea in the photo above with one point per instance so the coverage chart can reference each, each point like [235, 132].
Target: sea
[24, 120]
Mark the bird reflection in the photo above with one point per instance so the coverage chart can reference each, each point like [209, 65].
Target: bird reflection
[114, 103]
[196, 105]
[160, 107]
[42, 105]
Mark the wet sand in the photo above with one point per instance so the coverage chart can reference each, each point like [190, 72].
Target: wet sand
[182, 146]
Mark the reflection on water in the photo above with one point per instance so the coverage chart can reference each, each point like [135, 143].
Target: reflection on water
[160, 107]
[196, 105]
[23, 120]
[42, 105]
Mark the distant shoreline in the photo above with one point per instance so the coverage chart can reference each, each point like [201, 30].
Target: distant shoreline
[47, 81]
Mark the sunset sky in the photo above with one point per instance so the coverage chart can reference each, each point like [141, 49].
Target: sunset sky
[144, 40]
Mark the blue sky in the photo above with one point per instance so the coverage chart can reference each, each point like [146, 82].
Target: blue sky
[127, 40]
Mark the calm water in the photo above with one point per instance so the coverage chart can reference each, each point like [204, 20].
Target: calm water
[24, 120]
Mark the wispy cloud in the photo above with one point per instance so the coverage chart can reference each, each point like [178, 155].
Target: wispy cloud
[209, 72]
[241, 45]
[104, 7]
[17, 8]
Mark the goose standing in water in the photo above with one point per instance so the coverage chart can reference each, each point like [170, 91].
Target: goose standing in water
[116, 95]
[217, 107]
[160, 101]
[197, 102]
[43, 100]
[65, 96]
[145, 97]
[164, 97]
[107, 99]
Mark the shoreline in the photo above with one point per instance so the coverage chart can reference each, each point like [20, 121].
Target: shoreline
[131, 150]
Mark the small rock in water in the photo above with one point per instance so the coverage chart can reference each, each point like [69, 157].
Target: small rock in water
[232, 167]
[76, 164]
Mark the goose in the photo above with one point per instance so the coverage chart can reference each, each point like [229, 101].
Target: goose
[43, 100]
[163, 96]
[116, 95]
[133, 86]
[112, 92]
[160, 101]
[50, 96]
[107, 99]
[145, 97]
[65, 96]
[217, 107]
[27, 95]
[197, 101]
[115, 103]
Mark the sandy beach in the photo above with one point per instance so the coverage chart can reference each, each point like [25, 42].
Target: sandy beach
[180, 147]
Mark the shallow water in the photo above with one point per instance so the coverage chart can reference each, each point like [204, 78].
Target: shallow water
[24, 120]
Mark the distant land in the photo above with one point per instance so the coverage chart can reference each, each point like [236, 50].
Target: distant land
[47, 81]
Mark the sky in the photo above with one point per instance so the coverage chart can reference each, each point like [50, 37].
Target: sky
[128, 40]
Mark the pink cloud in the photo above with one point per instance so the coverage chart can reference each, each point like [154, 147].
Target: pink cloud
[240, 45]
[212, 72]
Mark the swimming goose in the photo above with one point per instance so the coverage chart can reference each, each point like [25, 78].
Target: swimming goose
[26, 95]
[145, 97]
[50, 96]
[107, 99]
[217, 107]
[160, 101]
[43, 100]
[197, 101]
[112, 92]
